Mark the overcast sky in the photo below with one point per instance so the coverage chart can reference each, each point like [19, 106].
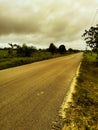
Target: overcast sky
[42, 22]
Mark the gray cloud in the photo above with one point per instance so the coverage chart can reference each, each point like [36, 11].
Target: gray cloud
[17, 20]
[43, 21]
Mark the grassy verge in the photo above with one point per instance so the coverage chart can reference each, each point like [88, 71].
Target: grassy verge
[7, 61]
[83, 111]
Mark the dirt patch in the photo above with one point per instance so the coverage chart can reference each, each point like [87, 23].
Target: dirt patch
[68, 98]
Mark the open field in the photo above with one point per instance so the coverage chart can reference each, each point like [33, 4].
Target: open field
[83, 111]
[31, 95]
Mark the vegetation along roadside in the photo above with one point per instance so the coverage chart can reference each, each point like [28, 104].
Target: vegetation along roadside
[82, 113]
[17, 55]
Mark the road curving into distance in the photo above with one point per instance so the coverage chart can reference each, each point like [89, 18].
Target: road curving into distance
[31, 95]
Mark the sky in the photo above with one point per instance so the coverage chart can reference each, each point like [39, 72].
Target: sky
[41, 22]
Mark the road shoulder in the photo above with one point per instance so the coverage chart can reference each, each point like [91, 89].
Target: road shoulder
[82, 112]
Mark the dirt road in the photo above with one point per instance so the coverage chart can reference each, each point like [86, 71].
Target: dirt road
[31, 95]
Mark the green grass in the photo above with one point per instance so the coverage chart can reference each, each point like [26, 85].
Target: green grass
[90, 57]
[3, 53]
[83, 112]
[7, 61]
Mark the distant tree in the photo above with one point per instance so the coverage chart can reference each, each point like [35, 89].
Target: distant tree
[11, 45]
[52, 48]
[91, 38]
[62, 49]
[70, 50]
[10, 51]
[25, 51]
[18, 50]
[76, 50]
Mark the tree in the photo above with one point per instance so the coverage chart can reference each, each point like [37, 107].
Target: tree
[24, 51]
[91, 38]
[70, 50]
[11, 49]
[52, 48]
[62, 49]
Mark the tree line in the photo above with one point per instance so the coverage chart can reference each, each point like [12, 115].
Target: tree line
[27, 51]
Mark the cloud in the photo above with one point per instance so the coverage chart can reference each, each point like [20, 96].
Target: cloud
[14, 19]
[43, 21]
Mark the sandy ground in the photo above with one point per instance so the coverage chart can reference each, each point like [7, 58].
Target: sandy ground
[31, 95]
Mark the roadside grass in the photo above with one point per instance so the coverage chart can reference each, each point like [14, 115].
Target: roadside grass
[3, 53]
[82, 113]
[7, 61]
